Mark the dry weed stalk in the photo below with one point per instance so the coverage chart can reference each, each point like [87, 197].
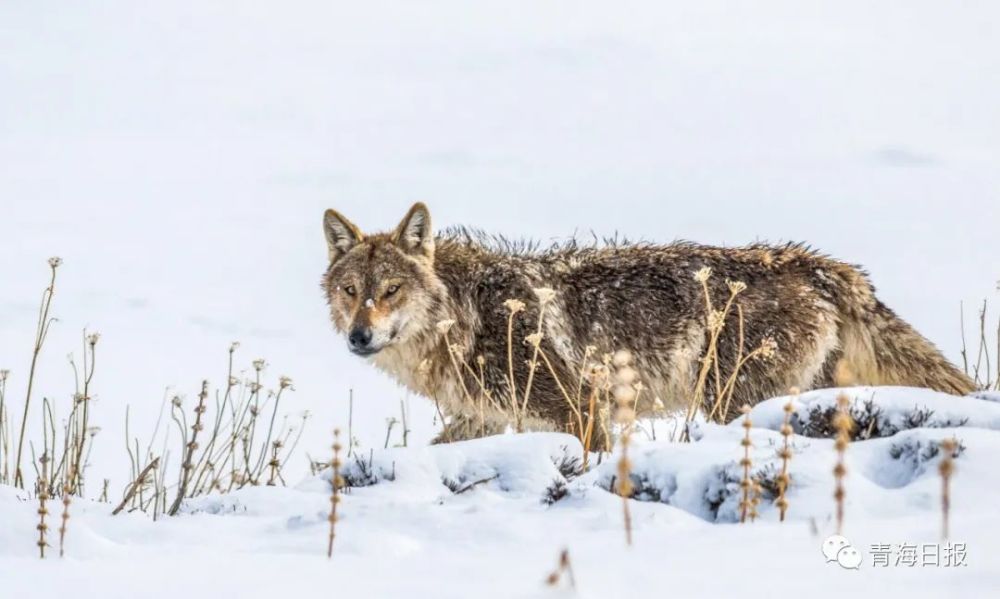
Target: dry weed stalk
[625, 395]
[785, 453]
[514, 306]
[757, 492]
[746, 484]
[187, 466]
[4, 429]
[66, 498]
[564, 567]
[842, 423]
[138, 483]
[946, 468]
[981, 371]
[723, 386]
[544, 295]
[43, 496]
[335, 482]
[41, 332]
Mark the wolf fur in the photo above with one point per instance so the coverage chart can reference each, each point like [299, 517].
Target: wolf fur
[391, 292]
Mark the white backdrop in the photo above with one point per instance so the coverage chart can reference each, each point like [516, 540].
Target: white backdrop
[179, 155]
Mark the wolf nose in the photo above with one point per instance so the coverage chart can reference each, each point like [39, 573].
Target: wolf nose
[360, 338]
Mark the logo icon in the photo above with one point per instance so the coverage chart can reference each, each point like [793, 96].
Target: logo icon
[837, 548]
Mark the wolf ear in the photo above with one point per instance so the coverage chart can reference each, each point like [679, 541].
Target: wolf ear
[341, 234]
[414, 234]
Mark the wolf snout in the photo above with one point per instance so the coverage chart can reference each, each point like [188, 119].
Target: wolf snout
[360, 341]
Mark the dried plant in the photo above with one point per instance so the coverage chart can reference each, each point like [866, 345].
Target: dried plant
[335, 483]
[757, 491]
[4, 430]
[66, 498]
[187, 466]
[785, 454]
[746, 484]
[43, 496]
[564, 568]
[983, 373]
[514, 306]
[41, 332]
[843, 423]
[946, 468]
[625, 395]
[722, 387]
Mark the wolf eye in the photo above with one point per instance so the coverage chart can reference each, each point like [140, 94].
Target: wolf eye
[349, 290]
[391, 290]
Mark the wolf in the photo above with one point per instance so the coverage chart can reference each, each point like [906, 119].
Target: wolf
[434, 312]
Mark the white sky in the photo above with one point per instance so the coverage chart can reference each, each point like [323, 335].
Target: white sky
[179, 155]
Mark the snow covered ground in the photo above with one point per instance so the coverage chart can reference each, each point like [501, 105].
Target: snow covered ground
[178, 156]
[488, 518]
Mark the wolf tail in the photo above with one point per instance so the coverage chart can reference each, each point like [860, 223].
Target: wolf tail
[882, 349]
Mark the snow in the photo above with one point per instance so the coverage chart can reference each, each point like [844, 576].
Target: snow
[478, 518]
[178, 156]
[896, 407]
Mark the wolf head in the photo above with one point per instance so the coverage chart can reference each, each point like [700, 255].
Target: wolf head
[381, 288]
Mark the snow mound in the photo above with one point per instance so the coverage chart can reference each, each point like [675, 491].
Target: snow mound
[884, 474]
[878, 411]
[521, 465]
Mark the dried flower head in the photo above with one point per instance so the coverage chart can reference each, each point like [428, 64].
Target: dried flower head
[703, 274]
[259, 364]
[534, 339]
[768, 348]
[443, 326]
[93, 338]
[736, 287]
[544, 294]
[514, 305]
[621, 358]
[234, 346]
[284, 382]
[55, 261]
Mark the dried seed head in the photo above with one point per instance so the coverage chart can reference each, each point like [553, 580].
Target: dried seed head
[443, 326]
[284, 382]
[736, 287]
[768, 348]
[234, 346]
[93, 338]
[55, 261]
[259, 364]
[544, 294]
[621, 358]
[534, 339]
[176, 401]
[4, 374]
[703, 274]
[514, 305]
